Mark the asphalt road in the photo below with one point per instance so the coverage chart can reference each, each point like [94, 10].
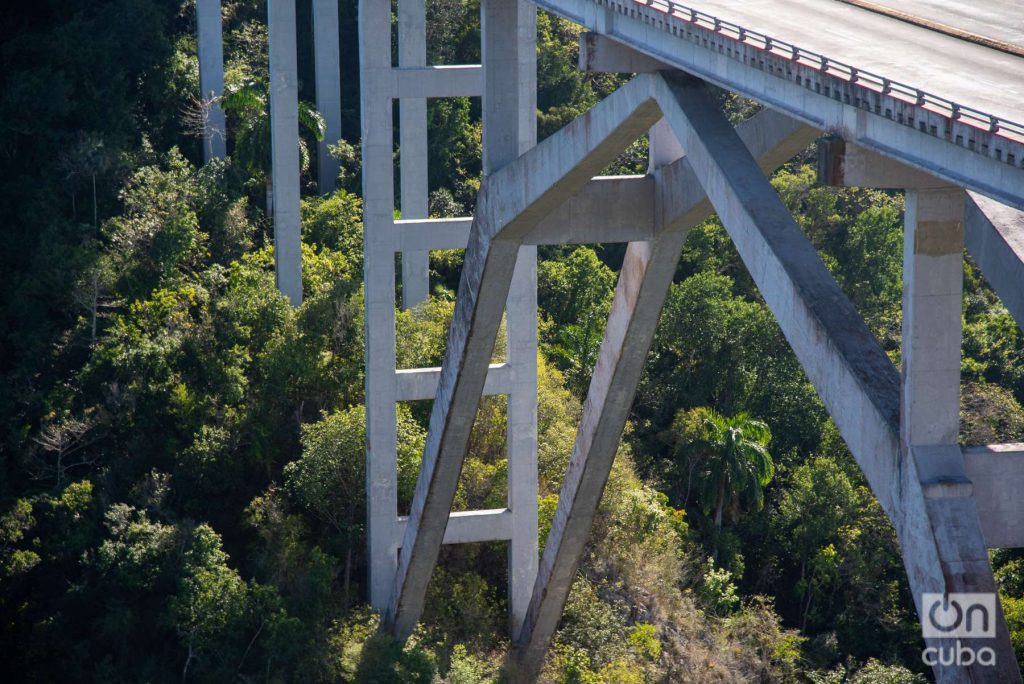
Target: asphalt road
[970, 74]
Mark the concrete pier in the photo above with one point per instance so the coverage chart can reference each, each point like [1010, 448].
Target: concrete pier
[284, 148]
[326, 63]
[412, 147]
[211, 78]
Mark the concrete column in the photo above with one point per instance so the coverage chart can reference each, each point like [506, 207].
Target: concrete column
[412, 131]
[284, 148]
[211, 77]
[933, 244]
[379, 279]
[509, 37]
[328, 88]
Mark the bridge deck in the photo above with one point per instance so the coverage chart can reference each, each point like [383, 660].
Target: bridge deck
[968, 73]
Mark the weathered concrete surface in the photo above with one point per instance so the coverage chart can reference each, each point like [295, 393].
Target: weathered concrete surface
[646, 274]
[327, 65]
[379, 282]
[511, 202]
[851, 373]
[211, 77]
[412, 146]
[284, 148]
[880, 121]
[997, 473]
[846, 165]
[933, 245]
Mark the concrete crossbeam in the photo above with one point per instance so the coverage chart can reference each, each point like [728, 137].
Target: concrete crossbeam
[470, 527]
[601, 54]
[461, 80]
[997, 473]
[412, 146]
[851, 373]
[625, 208]
[994, 232]
[845, 165]
[417, 384]
[284, 148]
[327, 67]
[425, 234]
[211, 78]
[511, 202]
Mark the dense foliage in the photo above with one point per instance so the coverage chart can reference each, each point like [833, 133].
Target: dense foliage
[181, 458]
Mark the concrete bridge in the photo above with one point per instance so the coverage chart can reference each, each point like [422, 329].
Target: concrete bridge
[923, 95]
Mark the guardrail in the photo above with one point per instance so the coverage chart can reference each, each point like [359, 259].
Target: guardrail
[835, 68]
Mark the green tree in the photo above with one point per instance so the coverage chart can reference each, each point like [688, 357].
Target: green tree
[727, 459]
[248, 106]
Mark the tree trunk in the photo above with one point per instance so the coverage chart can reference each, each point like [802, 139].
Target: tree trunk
[719, 506]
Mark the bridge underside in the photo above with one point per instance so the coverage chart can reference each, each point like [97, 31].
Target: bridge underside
[947, 504]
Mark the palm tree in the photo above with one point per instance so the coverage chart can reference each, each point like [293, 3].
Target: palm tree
[249, 106]
[727, 458]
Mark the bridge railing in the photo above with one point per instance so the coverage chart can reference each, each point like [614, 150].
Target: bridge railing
[836, 69]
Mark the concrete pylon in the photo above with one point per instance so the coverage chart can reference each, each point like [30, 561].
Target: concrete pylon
[284, 148]
[509, 39]
[326, 64]
[211, 78]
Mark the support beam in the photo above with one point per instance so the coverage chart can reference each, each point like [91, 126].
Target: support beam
[211, 78]
[327, 65]
[284, 148]
[930, 410]
[379, 282]
[460, 80]
[511, 202]
[647, 272]
[997, 473]
[643, 283]
[470, 527]
[600, 54]
[509, 49]
[851, 373]
[995, 238]
[412, 148]
[419, 384]
[994, 232]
